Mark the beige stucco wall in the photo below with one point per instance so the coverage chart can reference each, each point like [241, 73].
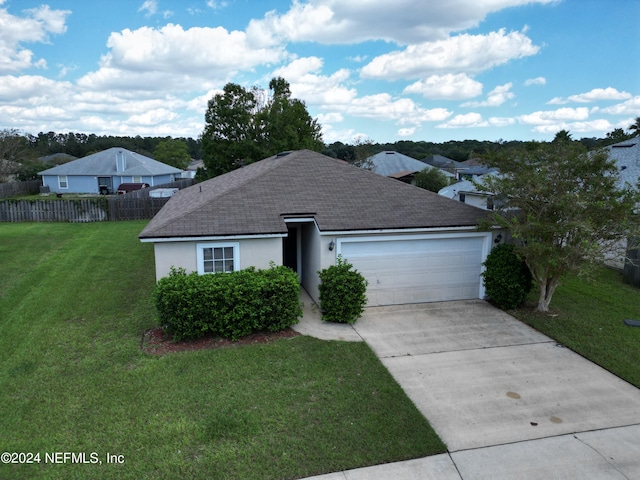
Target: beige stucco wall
[256, 252]
[315, 257]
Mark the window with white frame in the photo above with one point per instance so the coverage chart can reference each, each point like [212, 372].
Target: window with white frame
[137, 179]
[62, 181]
[218, 257]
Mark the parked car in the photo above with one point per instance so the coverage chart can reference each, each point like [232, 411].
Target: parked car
[130, 187]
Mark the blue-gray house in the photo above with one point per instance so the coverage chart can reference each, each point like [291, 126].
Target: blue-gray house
[107, 169]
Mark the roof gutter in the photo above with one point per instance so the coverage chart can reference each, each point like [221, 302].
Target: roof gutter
[402, 230]
[209, 238]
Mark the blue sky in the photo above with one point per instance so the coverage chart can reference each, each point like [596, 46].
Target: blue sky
[366, 69]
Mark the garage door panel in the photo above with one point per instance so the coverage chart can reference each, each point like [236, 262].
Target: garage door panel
[422, 270]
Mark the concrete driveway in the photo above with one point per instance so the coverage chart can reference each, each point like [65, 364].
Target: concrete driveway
[508, 401]
[483, 378]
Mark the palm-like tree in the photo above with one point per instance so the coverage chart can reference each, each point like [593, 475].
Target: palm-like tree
[635, 128]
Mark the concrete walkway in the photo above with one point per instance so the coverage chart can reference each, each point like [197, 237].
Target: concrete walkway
[508, 401]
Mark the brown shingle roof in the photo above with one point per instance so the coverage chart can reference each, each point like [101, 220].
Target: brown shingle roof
[256, 199]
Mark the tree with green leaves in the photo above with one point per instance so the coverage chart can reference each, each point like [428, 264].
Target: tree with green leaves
[286, 123]
[563, 136]
[15, 156]
[173, 152]
[564, 206]
[634, 128]
[432, 179]
[243, 126]
[616, 136]
[229, 136]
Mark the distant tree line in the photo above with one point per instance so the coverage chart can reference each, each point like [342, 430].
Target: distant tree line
[464, 149]
[280, 111]
[80, 144]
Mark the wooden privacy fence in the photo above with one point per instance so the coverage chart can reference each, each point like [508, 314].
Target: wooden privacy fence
[82, 210]
[124, 207]
[137, 205]
[12, 189]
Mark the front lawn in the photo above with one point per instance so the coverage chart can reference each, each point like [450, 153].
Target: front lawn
[588, 318]
[74, 302]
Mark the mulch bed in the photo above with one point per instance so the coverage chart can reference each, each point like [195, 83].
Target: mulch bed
[157, 342]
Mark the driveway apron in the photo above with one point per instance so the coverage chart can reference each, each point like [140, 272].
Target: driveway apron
[484, 379]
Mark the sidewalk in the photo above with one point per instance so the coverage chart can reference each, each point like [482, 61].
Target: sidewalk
[311, 324]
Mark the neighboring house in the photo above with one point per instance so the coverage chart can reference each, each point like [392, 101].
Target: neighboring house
[406, 176]
[303, 209]
[104, 171]
[461, 170]
[56, 159]
[465, 191]
[627, 157]
[398, 166]
[192, 169]
[444, 163]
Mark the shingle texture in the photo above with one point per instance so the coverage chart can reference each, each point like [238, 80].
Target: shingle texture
[389, 162]
[104, 163]
[627, 157]
[258, 198]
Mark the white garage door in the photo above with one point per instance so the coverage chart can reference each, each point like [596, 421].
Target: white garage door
[418, 270]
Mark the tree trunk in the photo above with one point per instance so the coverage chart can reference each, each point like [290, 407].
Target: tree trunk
[547, 287]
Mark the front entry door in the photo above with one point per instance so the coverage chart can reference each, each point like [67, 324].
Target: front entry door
[290, 249]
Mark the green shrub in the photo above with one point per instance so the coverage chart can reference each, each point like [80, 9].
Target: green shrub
[507, 279]
[231, 305]
[342, 293]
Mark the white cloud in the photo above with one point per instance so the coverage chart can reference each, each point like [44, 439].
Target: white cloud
[150, 7]
[550, 117]
[535, 81]
[307, 82]
[475, 120]
[496, 97]
[216, 5]
[402, 21]
[463, 53]
[630, 107]
[597, 94]
[153, 117]
[403, 110]
[446, 87]
[463, 120]
[34, 27]
[171, 57]
[406, 132]
[332, 117]
[600, 126]
[31, 89]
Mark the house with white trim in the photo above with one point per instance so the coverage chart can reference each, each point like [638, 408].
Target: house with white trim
[105, 171]
[303, 209]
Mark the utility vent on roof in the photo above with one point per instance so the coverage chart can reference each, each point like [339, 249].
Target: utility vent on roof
[283, 154]
[121, 162]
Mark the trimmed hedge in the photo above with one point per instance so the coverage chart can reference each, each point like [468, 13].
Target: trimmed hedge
[231, 305]
[507, 278]
[342, 292]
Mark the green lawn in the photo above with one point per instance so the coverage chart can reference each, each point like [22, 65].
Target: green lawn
[74, 302]
[589, 320]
